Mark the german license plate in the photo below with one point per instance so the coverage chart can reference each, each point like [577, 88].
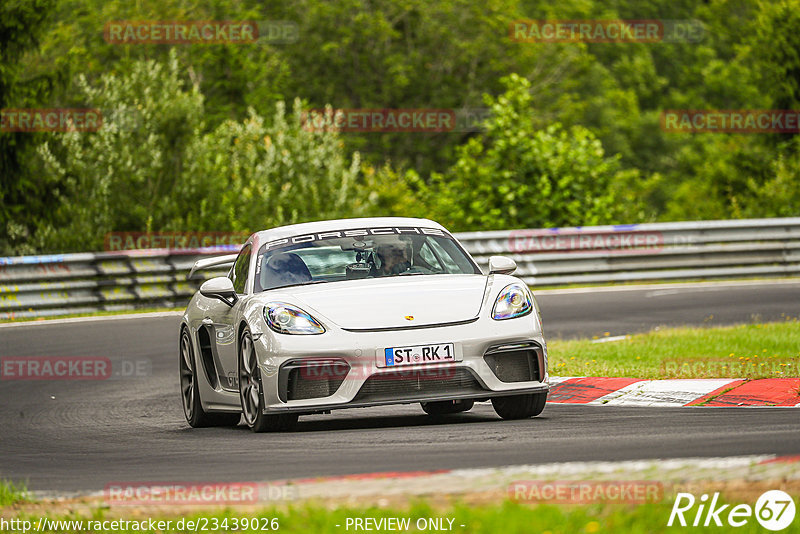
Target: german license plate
[417, 355]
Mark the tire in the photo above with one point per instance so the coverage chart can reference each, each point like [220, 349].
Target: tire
[251, 394]
[519, 406]
[447, 407]
[193, 410]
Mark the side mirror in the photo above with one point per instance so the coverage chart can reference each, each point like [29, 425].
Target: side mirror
[501, 265]
[220, 288]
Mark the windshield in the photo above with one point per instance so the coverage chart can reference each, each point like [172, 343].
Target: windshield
[354, 254]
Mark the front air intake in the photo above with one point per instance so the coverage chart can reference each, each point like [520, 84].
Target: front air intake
[518, 362]
[311, 379]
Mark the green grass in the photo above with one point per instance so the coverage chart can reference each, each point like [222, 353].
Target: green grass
[506, 517]
[91, 314]
[11, 493]
[769, 350]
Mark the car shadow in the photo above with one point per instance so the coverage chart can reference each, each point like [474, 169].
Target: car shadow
[343, 420]
[371, 422]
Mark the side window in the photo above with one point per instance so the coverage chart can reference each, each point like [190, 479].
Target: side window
[240, 269]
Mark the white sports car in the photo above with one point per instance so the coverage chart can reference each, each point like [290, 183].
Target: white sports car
[358, 312]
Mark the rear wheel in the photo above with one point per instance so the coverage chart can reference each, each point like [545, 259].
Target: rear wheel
[519, 406]
[250, 392]
[447, 407]
[196, 416]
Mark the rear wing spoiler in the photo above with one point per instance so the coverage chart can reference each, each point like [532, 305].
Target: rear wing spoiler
[217, 261]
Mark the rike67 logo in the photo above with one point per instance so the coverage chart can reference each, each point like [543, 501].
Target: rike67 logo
[774, 510]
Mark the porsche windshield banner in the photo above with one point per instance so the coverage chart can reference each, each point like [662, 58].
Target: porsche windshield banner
[359, 232]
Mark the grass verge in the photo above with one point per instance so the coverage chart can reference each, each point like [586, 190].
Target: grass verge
[507, 516]
[770, 350]
[11, 493]
[90, 314]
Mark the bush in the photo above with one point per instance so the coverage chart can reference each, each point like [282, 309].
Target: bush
[516, 175]
[151, 167]
[251, 175]
[122, 177]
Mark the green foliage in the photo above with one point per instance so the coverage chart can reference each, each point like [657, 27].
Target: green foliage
[411, 54]
[578, 142]
[779, 194]
[519, 176]
[230, 76]
[774, 50]
[11, 493]
[24, 197]
[150, 167]
[250, 175]
[123, 176]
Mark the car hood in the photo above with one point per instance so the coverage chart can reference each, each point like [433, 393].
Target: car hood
[400, 301]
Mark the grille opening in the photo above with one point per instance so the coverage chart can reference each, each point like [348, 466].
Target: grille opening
[514, 363]
[311, 379]
[418, 384]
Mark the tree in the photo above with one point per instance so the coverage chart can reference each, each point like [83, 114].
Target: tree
[24, 200]
[255, 174]
[123, 176]
[519, 176]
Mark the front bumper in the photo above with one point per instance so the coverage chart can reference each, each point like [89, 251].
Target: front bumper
[345, 366]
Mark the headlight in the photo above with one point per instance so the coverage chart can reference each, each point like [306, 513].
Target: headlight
[288, 319]
[513, 301]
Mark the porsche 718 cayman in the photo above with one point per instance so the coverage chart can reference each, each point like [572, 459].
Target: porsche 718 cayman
[358, 312]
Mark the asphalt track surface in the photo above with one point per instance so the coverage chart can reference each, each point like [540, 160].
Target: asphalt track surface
[82, 435]
[595, 311]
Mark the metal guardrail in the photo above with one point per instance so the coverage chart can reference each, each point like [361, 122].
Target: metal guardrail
[667, 251]
[59, 284]
[76, 283]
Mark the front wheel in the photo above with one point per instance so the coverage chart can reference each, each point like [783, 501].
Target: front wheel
[251, 395]
[196, 416]
[519, 406]
[447, 407]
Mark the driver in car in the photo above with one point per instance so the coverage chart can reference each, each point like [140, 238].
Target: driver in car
[394, 256]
